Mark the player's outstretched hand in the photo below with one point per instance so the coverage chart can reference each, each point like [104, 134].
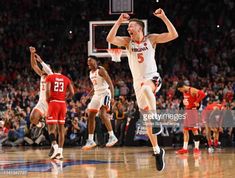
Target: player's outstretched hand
[159, 13]
[32, 49]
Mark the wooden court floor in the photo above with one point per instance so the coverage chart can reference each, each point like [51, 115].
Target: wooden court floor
[124, 162]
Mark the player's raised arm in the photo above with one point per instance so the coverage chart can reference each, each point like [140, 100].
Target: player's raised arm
[33, 61]
[112, 36]
[105, 75]
[45, 67]
[163, 37]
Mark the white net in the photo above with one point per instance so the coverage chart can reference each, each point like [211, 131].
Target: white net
[115, 53]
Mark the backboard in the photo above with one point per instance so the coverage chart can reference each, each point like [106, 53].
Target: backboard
[121, 6]
[97, 44]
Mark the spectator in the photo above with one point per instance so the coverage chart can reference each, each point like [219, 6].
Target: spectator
[120, 124]
[36, 136]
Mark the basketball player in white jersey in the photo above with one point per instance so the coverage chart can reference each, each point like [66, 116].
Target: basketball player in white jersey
[40, 110]
[103, 94]
[141, 59]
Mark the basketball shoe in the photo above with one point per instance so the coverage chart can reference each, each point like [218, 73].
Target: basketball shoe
[89, 144]
[211, 149]
[112, 140]
[51, 151]
[60, 156]
[160, 164]
[55, 151]
[182, 151]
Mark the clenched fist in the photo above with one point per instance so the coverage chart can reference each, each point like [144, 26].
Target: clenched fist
[32, 49]
[159, 13]
[124, 17]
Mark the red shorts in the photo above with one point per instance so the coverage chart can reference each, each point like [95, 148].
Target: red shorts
[192, 120]
[56, 112]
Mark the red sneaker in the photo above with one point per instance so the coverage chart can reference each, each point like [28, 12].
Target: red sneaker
[196, 151]
[182, 151]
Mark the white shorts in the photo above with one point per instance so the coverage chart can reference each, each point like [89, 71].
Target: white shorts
[42, 106]
[99, 100]
[138, 92]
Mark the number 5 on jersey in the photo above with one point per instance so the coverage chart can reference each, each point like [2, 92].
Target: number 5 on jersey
[140, 57]
[186, 102]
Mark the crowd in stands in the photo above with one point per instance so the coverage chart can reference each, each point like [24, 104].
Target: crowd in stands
[202, 57]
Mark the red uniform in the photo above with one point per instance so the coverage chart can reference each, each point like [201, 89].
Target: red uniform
[207, 111]
[189, 100]
[191, 109]
[57, 105]
[214, 106]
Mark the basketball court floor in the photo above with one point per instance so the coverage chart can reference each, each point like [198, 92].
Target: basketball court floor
[124, 162]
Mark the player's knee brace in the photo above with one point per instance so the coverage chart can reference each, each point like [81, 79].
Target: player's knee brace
[52, 137]
[196, 138]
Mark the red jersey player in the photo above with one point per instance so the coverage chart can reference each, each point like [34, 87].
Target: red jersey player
[56, 90]
[192, 98]
[209, 117]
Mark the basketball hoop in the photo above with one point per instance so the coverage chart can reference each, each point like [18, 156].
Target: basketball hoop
[115, 53]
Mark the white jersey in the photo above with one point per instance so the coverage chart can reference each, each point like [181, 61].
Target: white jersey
[141, 59]
[100, 85]
[42, 93]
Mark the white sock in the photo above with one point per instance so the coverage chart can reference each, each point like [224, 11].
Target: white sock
[156, 149]
[196, 144]
[149, 96]
[91, 136]
[185, 145]
[111, 133]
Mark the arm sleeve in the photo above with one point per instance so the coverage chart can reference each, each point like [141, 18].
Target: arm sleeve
[46, 68]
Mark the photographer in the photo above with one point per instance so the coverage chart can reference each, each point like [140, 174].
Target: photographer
[16, 133]
[121, 120]
[75, 132]
[3, 131]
